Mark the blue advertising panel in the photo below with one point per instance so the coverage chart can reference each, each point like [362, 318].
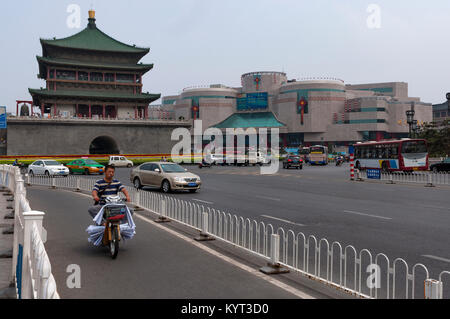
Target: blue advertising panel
[2, 116]
[374, 174]
[252, 101]
[351, 149]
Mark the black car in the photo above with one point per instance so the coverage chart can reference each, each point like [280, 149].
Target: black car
[293, 161]
[443, 166]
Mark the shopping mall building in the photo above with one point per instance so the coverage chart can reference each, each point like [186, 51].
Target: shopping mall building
[307, 111]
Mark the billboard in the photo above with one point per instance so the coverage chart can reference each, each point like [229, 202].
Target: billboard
[2, 116]
[252, 101]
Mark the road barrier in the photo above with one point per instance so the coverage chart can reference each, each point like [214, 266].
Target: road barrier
[428, 179]
[360, 273]
[31, 268]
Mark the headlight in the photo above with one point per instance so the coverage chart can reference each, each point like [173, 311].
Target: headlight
[179, 179]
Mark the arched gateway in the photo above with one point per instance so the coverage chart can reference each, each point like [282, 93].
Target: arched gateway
[104, 145]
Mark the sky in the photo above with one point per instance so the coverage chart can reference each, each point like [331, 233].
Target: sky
[202, 42]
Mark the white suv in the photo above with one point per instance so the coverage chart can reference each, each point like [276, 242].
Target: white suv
[120, 161]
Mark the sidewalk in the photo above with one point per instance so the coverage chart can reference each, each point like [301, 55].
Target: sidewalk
[6, 243]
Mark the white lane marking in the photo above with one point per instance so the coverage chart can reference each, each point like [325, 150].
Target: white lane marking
[203, 201]
[256, 272]
[435, 207]
[282, 220]
[437, 258]
[368, 215]
[269, 198]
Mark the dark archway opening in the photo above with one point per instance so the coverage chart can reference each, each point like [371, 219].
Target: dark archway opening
[103, 145]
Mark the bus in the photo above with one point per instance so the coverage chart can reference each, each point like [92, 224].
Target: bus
[303, 152]
[392, 155]
[318, 154]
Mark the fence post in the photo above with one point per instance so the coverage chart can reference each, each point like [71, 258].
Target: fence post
[204, 233]
[137, 201]
[53, 183]
[162, 214]
[433, 289]
[274, 266]
[29, 219]
[18, 196]
[358, 176]
[391, 179]
[78, 187]
[430, 181]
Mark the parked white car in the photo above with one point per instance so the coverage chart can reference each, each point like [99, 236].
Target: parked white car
[48, 168]
[119, 161]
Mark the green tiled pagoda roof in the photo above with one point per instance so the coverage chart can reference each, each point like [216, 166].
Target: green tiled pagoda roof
[98, 95]
[92, 38]
[245, 120]
[64, 62]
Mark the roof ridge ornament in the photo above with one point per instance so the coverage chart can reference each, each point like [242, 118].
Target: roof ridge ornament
[91, 19]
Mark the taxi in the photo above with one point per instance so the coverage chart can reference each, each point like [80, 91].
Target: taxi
[85, 166]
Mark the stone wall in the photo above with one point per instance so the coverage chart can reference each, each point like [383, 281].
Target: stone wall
[62, 136]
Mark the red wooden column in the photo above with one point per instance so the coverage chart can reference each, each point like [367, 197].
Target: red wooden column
[104, 110]
[54, 109]
[17, 108]
[42, 109]
[134, 86]
[90, 114]
[76, 110]
[135, 112]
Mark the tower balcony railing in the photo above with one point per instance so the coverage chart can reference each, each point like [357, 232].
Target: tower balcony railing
[152, 116]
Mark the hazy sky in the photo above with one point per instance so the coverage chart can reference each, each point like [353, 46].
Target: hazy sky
[201, 42]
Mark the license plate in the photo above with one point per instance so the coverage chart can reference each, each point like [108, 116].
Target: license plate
[192, 184]
[62, 173]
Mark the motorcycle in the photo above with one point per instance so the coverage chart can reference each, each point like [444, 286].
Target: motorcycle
[204, 164]
[112, 224]
[339, 161]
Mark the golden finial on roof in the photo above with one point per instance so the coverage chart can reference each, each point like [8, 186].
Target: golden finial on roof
[91, 14]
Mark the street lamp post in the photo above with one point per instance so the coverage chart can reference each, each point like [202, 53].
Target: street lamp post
[414, 128]
[410, 118]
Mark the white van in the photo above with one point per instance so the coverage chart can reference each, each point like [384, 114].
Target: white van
[259, 158]
[120, 161]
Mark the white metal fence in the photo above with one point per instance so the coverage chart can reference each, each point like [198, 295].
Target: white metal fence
[360, 273]
[425, 178]
[31, 268]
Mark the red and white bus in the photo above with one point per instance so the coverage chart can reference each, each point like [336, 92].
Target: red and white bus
[392, 155]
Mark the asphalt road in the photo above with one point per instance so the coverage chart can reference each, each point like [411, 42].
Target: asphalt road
[403, 221]
[154, 264]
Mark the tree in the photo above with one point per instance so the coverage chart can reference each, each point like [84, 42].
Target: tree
[438, 138]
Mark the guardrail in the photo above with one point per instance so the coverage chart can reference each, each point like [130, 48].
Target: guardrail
[426, 178]
[360, 273]
[31, 268]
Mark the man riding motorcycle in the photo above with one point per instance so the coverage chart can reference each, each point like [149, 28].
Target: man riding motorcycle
[106, 187]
